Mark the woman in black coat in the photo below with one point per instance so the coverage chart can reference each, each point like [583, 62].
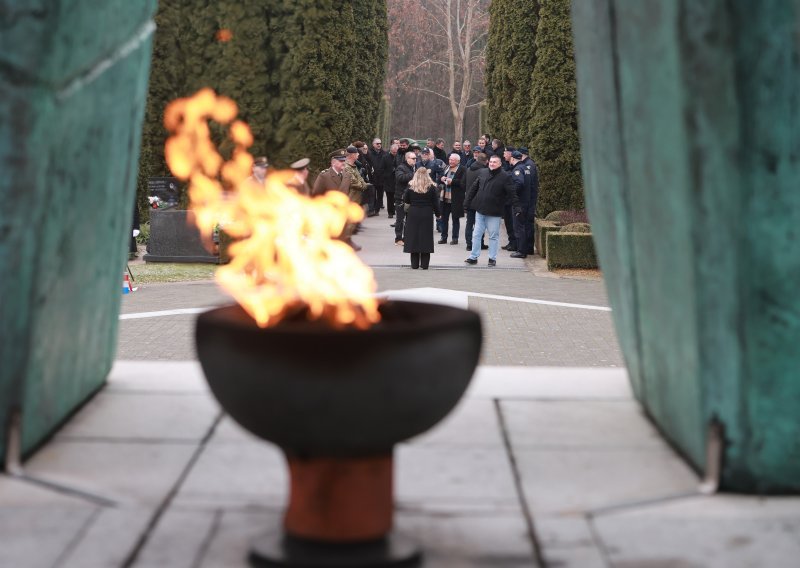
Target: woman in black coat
[423, 201]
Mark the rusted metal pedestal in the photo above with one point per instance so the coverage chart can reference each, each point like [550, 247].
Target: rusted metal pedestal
[339, 514]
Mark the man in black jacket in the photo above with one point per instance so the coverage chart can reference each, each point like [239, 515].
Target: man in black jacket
[477, 170]
[377, 156]
[402, 176]
[488, 197]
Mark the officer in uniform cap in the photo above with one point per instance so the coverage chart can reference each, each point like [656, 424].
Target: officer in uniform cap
[300, 179]
[336, 178]
[534, 170]
[332, 178]
[260, 166]
[523, 224]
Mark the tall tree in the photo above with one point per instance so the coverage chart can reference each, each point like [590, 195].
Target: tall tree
[553, 130]
[370, 65]
[438, 49]
[291, 67]
[511, 55]
[317, 81]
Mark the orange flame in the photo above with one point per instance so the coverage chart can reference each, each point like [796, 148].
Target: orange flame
[287, 255]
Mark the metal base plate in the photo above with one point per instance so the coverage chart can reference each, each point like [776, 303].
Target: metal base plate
[278, 549]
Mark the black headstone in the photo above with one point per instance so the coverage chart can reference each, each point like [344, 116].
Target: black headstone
[164, 191]
[175, 238]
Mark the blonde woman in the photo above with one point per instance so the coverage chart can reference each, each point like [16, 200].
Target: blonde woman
[422, 204]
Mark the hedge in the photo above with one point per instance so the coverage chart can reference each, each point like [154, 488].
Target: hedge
[570, 250]
[540, 229]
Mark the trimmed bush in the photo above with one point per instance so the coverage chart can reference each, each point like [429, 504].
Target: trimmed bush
[541, 228]
[576, 228]
[554, 216]
[553, 128]
[570, 250]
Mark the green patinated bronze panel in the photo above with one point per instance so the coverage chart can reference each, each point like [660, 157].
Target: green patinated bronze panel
[689, 130]
[73, 81]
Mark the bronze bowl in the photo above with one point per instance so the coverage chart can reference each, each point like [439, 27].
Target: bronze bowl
[317, 391]
[336, 401]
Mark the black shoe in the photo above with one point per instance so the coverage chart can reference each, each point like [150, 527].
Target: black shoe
[510, 246]
[454, 242]
[373, 214]
[484, 247]
[392, 225]
[471, 260]
[391, 215]
[518, 255]
[469, 247]
[492, 262]
[442, 241]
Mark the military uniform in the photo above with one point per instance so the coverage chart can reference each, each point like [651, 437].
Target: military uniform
[328, 180]
[357, 183]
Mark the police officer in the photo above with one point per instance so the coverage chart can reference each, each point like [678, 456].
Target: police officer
[534, 170]
[521, 176]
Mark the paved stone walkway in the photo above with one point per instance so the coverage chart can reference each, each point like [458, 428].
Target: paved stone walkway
[547, 461]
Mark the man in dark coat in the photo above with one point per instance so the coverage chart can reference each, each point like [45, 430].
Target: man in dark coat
[438, 151]
[377, 156]
[488, 198]
[452, 198]
[388, 177]
[476, 170]
[403, 175]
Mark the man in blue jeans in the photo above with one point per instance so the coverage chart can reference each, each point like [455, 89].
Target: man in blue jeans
[488, 198]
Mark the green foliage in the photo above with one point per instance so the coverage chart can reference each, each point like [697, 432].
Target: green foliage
[307, 74]
[371, 50]
[554, 216]
[384, 119]
[510, 57]
[570, 250]
[144, 234]
[153, 272]
[541, 228]
[553, 130]
[576, 228]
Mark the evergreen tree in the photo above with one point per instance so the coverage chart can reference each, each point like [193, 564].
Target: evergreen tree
[304, 80]
[511, 56]
[317, 81]
[553, 130]
[370, 54]
[167, 75]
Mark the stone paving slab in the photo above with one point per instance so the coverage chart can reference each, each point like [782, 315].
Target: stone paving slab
[108, 539]
[179, 540]
[236, 474]
[571, 480]
[454, 478]
[473, 423]
[719, 531]
[550, 383]
[138, 417]
[577, 424]
[128, 473]
[34, 537]
[157, 376]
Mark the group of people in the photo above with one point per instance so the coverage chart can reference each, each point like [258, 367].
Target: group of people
[486, 183]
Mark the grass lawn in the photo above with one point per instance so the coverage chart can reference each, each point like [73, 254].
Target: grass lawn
[148, 273]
